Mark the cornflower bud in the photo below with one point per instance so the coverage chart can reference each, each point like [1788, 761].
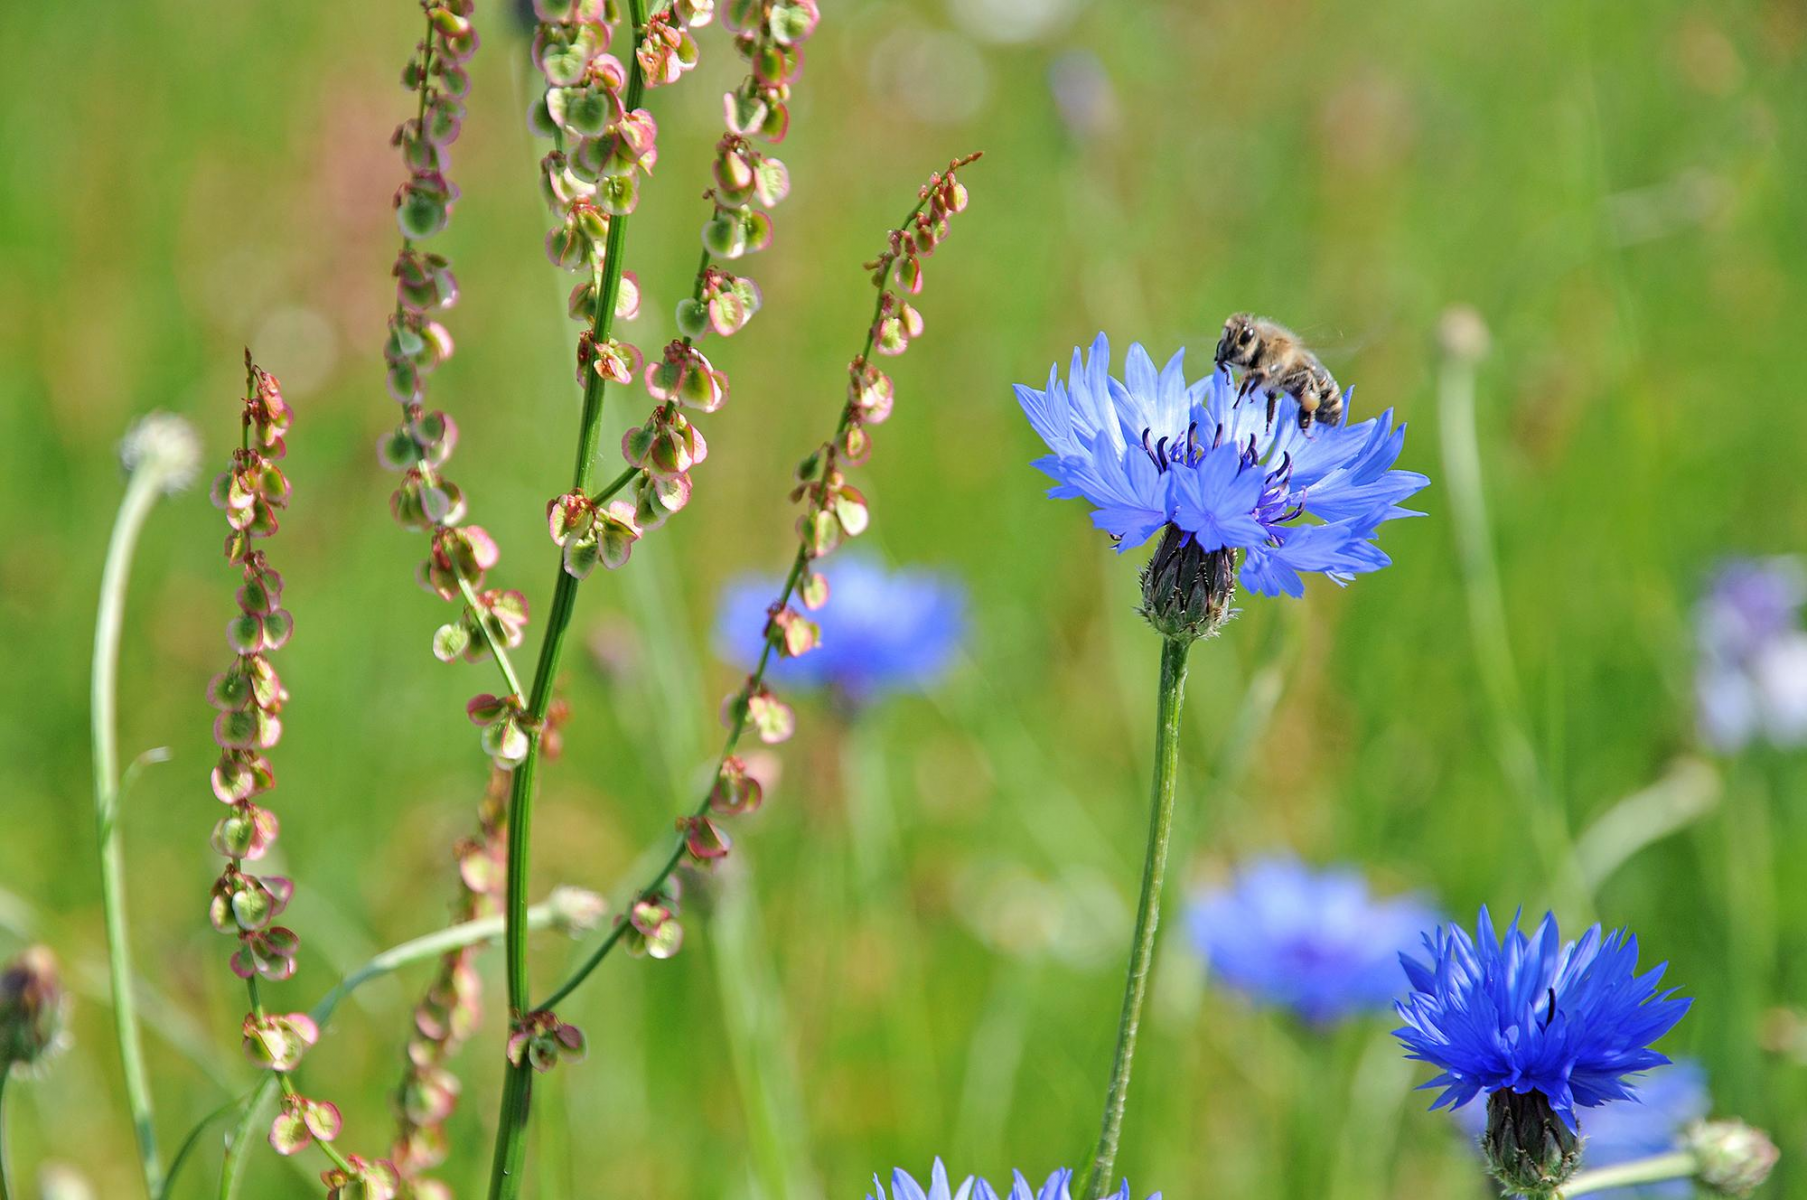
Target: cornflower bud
[1734, 1158]
[33, 1010]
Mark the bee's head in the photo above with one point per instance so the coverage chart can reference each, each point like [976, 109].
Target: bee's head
[1240, 344]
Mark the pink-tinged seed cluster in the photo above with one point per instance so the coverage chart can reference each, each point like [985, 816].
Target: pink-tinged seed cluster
[450, 1007]
[249, 695]
[604, 143]
[748, 183]
[833, 512]
[541, 1041]
[361, 1180]
[833, 509]
[419, 446]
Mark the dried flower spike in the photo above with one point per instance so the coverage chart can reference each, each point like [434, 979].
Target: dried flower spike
[248, 695]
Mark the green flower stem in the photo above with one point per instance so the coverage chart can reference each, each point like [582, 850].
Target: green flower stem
[1148, 910]
[1678, 1164]
[142, 490]
[505, 1178]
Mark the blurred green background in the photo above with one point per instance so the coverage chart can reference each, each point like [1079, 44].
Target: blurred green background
[1616, 189]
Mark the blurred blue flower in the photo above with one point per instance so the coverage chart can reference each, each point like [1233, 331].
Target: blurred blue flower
[1566, 1020]
[1057, 1186]
[1153, 451]
[1752, 677]
[1668, 1100]
[882, 630]
[1315, 942]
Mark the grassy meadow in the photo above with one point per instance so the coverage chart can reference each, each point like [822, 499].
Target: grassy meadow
[916, 948]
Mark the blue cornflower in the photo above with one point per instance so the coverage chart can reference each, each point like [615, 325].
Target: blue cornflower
[1752, 675]
[1057, 1186]
[882, 631]
[1152, 452]
[1534, 1015]
[1316, 942]
[1619, 1131]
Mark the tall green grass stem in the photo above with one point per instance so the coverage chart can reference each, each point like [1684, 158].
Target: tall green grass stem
[143, 488]
[1492, 644]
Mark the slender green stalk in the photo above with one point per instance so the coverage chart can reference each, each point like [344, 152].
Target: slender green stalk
[233, 1168]
[159, 466]
[517, 1093]
[1148, 910]
[878, 899]
[6, 1186]
[1492, 643]
[1677, 1164]
[188, 1144]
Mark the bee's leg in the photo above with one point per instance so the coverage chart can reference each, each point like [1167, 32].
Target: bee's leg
[1273, 405]
[1253, 381]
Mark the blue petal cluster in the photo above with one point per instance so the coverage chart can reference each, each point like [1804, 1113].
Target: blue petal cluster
[1057, 1186]
[882, 631]
[1315, 942]
[1620, 1131]
[1152, 450]
[1534, 1014]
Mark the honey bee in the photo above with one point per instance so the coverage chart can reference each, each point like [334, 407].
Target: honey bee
[1277, 363]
